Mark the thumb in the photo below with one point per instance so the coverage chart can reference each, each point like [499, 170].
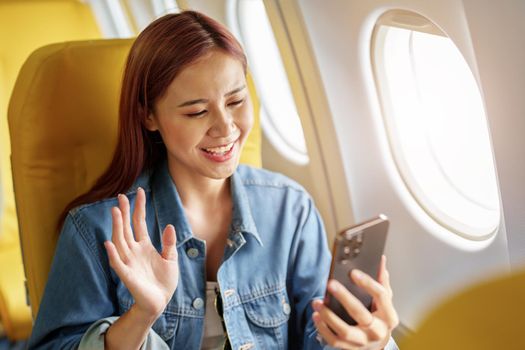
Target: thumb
[169, 243]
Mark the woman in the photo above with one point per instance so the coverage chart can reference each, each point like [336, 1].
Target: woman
[243, 255]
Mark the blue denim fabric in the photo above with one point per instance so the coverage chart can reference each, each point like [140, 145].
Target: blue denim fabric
[275, 263]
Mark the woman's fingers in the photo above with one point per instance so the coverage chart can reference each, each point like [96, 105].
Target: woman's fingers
[123, 204]
[344, 331]
[114, 259]
[369, 327]
[329, 337]
[169, 243]
[351, 304]
[139, 216]
[384, 277]
[118, 234]
[377, 329]
[381, 295]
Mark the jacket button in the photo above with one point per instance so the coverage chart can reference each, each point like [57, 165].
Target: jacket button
[198, 303]
[286, 308]
[192, 252]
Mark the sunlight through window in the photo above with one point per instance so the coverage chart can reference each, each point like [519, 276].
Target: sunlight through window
[437, 128]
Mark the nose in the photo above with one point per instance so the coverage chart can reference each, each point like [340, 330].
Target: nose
[223, 124]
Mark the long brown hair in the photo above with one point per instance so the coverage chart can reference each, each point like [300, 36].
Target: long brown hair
[159, 53]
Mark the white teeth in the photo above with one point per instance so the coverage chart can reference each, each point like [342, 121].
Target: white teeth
[220, 150]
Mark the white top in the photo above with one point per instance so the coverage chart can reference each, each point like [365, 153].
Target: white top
[213, 332]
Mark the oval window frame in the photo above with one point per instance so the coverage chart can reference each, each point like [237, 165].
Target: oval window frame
[416, 22]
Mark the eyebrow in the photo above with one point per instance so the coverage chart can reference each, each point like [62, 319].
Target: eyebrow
[202, 100]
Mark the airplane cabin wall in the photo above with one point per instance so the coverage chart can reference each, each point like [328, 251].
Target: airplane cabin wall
[497, 30]
[425, 260]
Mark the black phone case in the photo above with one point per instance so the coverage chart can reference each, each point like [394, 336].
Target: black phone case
[360, 247]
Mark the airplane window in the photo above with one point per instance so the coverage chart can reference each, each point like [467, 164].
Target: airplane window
[126, 18]
[279, 118]
[141, 13]
[436, 124]
[112, 18]
[162, 7]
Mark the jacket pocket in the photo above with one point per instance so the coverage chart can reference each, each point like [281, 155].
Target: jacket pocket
[268, 317]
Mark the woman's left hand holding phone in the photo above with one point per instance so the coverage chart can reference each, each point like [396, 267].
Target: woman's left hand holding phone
[150, 277]
[373, 329]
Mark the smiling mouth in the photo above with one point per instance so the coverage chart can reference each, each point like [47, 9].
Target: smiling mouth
[221, 150]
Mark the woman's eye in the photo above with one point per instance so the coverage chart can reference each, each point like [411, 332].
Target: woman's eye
[197, 114]
[234, 103]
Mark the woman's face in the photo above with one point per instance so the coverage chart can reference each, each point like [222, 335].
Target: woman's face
[204, 117]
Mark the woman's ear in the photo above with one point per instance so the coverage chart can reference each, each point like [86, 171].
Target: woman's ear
[151, 122]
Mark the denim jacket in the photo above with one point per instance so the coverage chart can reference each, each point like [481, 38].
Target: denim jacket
[275, 263]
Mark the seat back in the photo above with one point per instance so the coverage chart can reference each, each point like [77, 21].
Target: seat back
[63, 123]
[24, 26]
[486, 316]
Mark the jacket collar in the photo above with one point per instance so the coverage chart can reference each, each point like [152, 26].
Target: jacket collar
[169, 208]
[242, 219]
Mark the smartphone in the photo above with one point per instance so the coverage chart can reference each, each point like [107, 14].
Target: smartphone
[358, 247]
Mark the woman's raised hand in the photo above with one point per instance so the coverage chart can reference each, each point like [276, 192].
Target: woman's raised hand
[150, 277]
[373, 329]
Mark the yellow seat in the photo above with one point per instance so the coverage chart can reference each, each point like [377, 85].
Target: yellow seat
[63, 125]
[487, 316]
[24, 26]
